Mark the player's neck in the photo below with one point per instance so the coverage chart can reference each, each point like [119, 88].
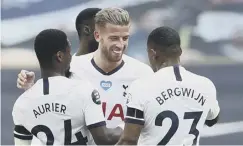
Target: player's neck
[50, 73]
[103, 63]
[83, 48]
[169, 62]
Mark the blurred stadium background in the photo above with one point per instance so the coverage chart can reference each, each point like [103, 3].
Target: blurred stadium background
[212, 41]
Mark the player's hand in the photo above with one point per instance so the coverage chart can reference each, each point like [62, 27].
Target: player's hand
[25, 79]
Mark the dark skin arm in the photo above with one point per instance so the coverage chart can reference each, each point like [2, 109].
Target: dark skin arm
[131, 134]
[106, 136]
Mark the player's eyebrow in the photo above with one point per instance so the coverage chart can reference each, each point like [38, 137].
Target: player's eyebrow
[115, 36]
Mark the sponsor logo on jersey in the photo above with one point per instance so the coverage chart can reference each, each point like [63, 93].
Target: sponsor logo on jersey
[96, 97]
[106, 84]
[115, 111]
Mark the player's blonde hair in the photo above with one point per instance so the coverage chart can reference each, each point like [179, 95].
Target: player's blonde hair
[116, 16]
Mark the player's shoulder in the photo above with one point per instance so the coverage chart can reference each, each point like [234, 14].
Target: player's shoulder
[83, 88]
[139, 90]
[80, 64]
[63, 83]
[143, 84]
[87, 93]
[202, 80]
[21, 101]
[208, 83]
[81, 85]
[85, 57]
[134, 62]
[136, 65]
[82, 59]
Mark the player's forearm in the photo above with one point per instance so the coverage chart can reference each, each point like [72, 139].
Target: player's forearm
[22, 142]
[127, 141]
[106, 136]
[114, 134]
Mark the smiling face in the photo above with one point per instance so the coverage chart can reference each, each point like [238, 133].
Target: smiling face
[113, 40]
[112, 27]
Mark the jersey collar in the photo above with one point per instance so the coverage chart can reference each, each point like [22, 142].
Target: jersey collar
[107, 73]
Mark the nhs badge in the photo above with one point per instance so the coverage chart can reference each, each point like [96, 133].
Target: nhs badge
[106, 84]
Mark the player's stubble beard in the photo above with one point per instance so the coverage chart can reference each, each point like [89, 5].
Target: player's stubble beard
[110, 56]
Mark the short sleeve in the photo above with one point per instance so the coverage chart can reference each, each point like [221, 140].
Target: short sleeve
[93, 112]
[214, 105]
[135, 105]
[20, 132]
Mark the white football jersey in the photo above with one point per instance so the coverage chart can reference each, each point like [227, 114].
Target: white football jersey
[111, 85]
[58, 111]
[173, 105]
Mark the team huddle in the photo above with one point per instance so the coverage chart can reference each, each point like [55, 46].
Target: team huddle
[100, 96]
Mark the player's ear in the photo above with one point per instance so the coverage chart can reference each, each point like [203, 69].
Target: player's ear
[96, 35]
[87, 30]
[60, 56]
[153, 54]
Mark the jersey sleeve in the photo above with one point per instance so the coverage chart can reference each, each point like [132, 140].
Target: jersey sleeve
[93, 113]
[214, 106]
[20, 132]
[135, 105]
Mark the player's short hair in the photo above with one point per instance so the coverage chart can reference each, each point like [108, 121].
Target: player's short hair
[116, 16]
[166, 40]
[84, 15]
[47, 43]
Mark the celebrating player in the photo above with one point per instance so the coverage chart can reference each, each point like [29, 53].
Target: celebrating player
[85, 27]
[171, 106]
[108, 69]
[57, 110]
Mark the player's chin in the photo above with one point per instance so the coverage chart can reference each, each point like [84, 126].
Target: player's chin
[116, 58]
